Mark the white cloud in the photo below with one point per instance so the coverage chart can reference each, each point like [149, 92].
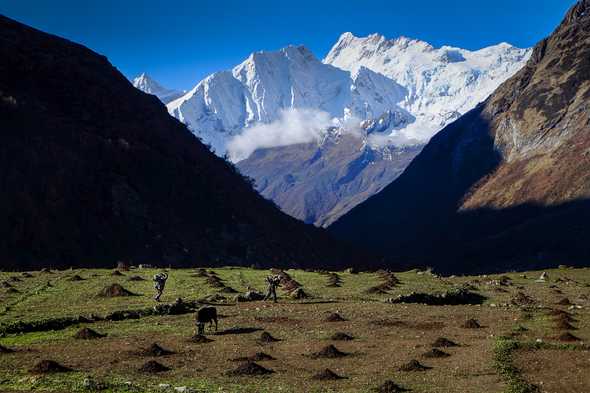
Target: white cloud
[293, 126]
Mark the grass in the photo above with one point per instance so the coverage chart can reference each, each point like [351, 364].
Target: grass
[488, 359]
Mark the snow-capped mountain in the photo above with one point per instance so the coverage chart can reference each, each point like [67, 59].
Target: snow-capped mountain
[441, 83]
[267, 83]
[148, 85]
[295, 112]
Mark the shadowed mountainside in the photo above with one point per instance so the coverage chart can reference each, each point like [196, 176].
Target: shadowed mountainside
[505, 186]
[93, 171]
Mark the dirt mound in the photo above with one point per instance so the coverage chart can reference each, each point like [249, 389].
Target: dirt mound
[5, 350]
[564, 302]
[329, 352]
[49, 366]
[200, 273]
[389, 387]
[340, 336]
[471, 324]
[238, 330]
[290, 285]
[442, 342]
[377, 290]
[215, 282]
[414, 365]
[257, 357]
[88, 334]
[156, 350]
[335, 317]
[250, 368]
[266, 337]
[228, 290]
[152, 367]
[115, 290]
[6, 284]
[568, 337]
[436, 354]
[136, 278]
[75, 278]
[15, 279]
[12, 290]
[299, 294]
[116, 273]
[327, 375]
[564, 325]
[522, 299]
[200, 339]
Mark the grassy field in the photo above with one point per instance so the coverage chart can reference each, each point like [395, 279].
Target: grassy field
[519, 347]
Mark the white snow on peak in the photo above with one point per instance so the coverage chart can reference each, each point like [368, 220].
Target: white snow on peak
[399, 91]
[441, 83]
[266, 84]
[148, 85]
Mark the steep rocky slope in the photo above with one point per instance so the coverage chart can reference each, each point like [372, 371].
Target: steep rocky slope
[93, 171]
[508, 184]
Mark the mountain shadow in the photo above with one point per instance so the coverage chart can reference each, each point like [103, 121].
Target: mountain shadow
[93, 171]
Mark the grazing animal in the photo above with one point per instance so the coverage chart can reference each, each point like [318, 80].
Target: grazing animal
[204, 315]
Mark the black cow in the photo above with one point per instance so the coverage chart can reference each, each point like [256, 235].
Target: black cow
[204, 315]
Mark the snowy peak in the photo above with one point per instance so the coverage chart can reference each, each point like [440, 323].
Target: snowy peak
[148, 85]
[441, 83]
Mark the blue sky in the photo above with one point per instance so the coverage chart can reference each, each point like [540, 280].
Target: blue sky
[179, 42]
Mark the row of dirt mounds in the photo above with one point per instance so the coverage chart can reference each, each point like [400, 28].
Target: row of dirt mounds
[153, 367]
[443, 342]
[257, 357]
[88, 334]
[333, 280]
[413, 365]
[212, 279]
[563, 323]
[340, 336]
[115, 290]
[389, 282]
[327, 375]
[328, 352]
[249, 369]
[267, 338]
[450, 298]
[389, 387]
[49, 367]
